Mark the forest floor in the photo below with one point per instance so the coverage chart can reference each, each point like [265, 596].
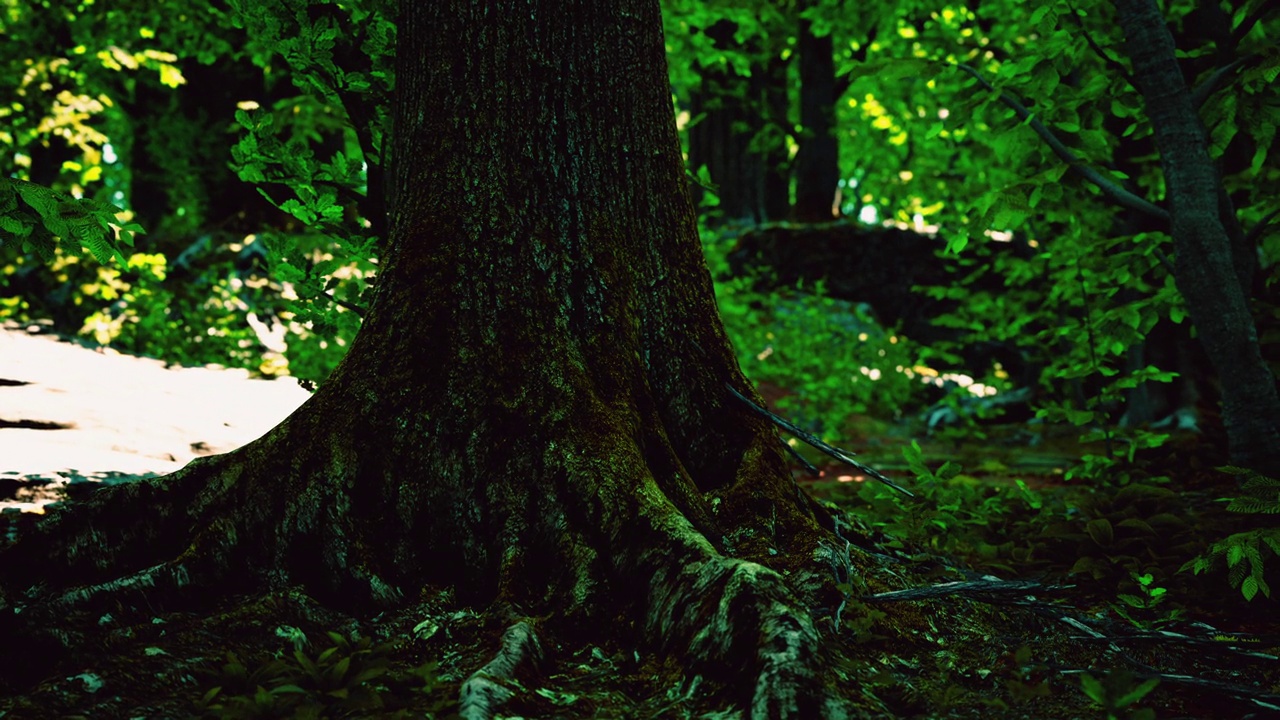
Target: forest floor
[72, 417]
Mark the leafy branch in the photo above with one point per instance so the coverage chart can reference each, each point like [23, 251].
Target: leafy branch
[42, 219]
[1077, 164]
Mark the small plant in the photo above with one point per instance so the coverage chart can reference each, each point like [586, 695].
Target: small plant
[1116, 692]
[1115, 532]
[350, 678]
[956, 514]
[1027, 678]
[1139, 610]
[1259, 495]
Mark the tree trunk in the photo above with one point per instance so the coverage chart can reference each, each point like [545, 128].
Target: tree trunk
[1214, 283]
[535, 410]
[738, 136]
[817, 160]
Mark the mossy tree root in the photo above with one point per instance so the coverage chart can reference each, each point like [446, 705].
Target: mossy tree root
[489, 687]
[736, 619]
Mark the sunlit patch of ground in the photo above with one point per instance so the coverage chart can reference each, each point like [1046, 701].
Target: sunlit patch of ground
[72, 415]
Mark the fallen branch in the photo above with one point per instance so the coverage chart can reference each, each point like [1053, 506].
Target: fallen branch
[843, 456]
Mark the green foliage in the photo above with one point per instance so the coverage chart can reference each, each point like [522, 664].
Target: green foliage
[341, 55]
[349, 678]
[1117, 531]
[142, 314]
[955, 514]
[1014, 118]
[39, 219]
[324, 148]
[1026, 680]
[832, 354]
[1116, 692]
[1245, 553]
[1139, 609]
[1099, 533]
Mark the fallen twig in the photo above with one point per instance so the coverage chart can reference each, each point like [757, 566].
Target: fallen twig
[835, 452]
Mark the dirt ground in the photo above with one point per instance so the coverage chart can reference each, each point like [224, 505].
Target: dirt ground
[72, 415]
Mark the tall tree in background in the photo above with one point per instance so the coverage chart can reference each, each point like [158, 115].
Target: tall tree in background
[535, 411]
[817, 161]
[737, 133]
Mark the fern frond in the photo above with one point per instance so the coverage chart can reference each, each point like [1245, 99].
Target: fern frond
[1234, 470]
[1255, 505]
[1256, 482]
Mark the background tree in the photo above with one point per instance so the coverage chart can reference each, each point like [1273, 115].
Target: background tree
[738, 125]
[985, 120]
[817, 160]
[1214, 279]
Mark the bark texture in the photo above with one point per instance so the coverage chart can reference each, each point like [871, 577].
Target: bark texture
[534, 412]
[1212, 281]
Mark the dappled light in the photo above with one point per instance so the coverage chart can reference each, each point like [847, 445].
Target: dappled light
[680, 359]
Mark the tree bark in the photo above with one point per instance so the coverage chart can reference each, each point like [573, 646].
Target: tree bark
[817, 160]
[534, 411]
[1214, 284]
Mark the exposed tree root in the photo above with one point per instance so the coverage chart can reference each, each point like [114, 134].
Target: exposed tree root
[737, 618]
[264, 518]
[488, 688]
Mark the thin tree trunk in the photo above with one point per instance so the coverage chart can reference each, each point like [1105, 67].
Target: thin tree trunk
[817, 160]
[1206, 273]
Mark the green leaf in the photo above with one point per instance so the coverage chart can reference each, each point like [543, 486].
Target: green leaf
[1137, 525]
[339, 670]
[1137, 693]
[1087, 565]
[1079, 417]
[1235, 554]
[890, 69]
[1100, 531]
[1093, 688]
[1249, 587]
[305, 663]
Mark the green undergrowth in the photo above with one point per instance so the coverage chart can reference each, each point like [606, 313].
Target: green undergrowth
[1139, 549]
[1142, 545]
[237, 303]
[341, 678]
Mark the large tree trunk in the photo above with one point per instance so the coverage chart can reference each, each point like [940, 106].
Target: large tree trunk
[535, 411]
[1214, 281]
